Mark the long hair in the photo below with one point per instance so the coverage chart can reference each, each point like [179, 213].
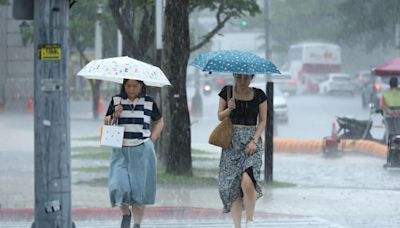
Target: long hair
[123, 93]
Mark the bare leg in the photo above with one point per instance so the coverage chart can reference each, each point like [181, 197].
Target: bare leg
[236, 211]
[126, 217]
[137, 214]
[249, 196]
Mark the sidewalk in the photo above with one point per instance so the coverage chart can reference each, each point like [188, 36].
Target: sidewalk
[352, 191]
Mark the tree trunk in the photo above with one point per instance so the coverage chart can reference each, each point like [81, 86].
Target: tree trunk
[95, 85]
[177, 136]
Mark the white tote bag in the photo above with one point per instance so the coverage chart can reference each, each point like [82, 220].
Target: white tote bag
[112, 136]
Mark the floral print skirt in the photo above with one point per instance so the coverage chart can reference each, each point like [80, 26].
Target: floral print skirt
[235, 161]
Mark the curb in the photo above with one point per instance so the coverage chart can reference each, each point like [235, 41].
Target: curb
[151, 213]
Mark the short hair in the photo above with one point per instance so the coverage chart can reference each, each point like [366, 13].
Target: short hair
[393, 82]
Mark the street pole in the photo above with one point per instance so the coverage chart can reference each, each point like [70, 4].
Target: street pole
[269, 128]
[51, 115]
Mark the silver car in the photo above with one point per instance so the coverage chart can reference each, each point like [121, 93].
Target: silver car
[280, 104]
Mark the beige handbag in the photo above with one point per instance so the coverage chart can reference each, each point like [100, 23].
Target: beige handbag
[222, 135]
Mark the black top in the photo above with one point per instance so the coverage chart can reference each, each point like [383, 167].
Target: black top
[246, 112]
[155, 113]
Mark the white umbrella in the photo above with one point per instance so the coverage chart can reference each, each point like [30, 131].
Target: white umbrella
[119, 68]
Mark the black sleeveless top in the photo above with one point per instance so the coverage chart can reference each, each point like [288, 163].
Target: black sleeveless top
[246, 112]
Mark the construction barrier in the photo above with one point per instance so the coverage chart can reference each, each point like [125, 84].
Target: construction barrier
[100, 106]
[29, 105]
[316, 146]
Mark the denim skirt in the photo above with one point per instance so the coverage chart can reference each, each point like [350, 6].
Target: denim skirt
[133, 175]
[234, 162]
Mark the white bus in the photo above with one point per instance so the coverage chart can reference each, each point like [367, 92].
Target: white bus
[310, 62]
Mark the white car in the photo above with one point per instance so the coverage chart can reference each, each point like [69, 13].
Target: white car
[286, 83]
[280, 104]
[338, 82]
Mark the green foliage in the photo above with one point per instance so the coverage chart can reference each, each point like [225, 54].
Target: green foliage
[296, 21]
[369, 21]
[4, 2]
[83, 16]
[236, 8]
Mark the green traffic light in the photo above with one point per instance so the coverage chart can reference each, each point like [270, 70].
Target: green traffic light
[243, 23]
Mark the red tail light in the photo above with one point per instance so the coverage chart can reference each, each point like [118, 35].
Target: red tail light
[221, 81]
[378, 87]
[292, 82]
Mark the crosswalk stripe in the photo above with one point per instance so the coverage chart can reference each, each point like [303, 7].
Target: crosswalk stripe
[311, 222]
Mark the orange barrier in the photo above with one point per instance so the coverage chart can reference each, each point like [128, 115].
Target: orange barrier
[29, 106]
[100, 106]
[297, 146]
[315, 146]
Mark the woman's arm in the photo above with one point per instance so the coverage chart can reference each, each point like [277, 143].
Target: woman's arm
[158, 126]
[223, 110]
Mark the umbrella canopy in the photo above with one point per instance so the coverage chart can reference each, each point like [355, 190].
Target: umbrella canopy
[391, 68]
[119, 68]
[232, 61]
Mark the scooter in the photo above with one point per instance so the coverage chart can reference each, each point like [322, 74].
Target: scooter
[349, 128]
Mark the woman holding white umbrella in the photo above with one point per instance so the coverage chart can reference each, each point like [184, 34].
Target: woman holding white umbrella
[132, 176]
[133, 168]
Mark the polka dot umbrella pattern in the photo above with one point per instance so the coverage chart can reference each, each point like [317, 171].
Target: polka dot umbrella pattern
[233, 61]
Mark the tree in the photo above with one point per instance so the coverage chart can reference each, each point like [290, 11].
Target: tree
[370, 21]
[174, 63]
[82, 27]
[135, 19]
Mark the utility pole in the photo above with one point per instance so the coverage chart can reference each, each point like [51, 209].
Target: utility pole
[269, 128]
[51, 115]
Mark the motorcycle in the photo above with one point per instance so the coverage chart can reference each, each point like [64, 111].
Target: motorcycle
[207, 89]
[349, 128]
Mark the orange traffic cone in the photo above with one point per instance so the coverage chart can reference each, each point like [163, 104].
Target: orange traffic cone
[334, 133]
[100, 107]
[30, 105]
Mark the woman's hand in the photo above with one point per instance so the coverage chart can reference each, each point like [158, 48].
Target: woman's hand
[107, 120]
[251, 148]
[231, 104]
[118, 110]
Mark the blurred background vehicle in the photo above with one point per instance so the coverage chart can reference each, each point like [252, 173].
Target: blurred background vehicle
[362, 78]
[215, 82]
[285, 82]
[372, 91]
[280, 104]
[310, 62]
[337, 82]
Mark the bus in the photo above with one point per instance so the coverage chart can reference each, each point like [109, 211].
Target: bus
[311, 62]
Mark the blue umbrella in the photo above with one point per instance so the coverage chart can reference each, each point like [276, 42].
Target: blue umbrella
[232, 61]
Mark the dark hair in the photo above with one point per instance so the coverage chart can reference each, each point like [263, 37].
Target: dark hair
[393, 82]
[123, 93]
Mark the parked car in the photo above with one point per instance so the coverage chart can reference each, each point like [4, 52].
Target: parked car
[280, 104]
[285, 82]
[337, 82]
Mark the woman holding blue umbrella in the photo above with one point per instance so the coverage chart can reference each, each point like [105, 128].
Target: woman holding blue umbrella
[240, 164]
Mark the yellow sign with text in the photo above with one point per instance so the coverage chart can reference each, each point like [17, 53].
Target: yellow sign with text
[50, 52]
